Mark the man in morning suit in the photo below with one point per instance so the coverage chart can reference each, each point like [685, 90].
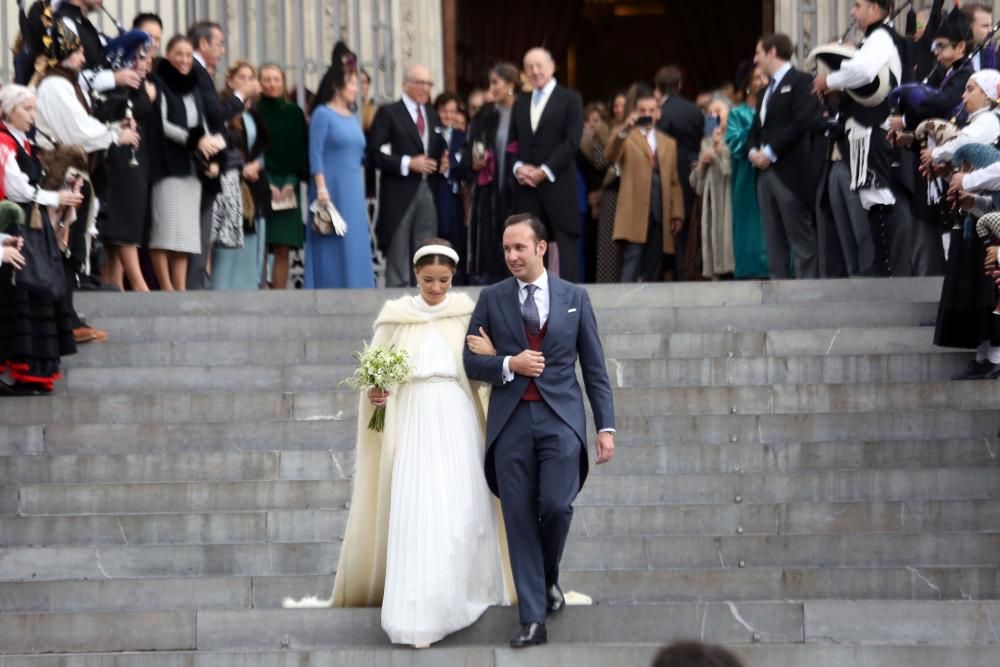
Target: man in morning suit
[406, 146]
[536, 460]
[781, 150]
[209, 44]
[546, 128]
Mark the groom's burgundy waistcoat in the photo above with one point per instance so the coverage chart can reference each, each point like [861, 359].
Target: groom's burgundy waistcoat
[534, 343]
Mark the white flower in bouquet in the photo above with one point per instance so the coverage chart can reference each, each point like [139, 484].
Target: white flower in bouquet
[379, 368]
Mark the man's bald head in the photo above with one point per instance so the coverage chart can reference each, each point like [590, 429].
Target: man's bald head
[417, 83]
[539, 66]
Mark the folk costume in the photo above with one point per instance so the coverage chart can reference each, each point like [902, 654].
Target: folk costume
[869, 151]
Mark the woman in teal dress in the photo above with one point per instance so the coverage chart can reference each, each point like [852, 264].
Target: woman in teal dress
[749, 251]
[287, 163]
[336, 151]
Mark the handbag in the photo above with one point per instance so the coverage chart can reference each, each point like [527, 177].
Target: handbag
[227, 212]
[327, 220]
[43, 272]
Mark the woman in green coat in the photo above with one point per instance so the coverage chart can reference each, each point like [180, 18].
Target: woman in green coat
[287, 163]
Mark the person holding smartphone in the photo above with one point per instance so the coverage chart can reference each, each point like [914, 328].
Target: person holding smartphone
[651, 203]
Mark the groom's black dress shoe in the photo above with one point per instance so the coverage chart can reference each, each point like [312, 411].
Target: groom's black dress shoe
[532, 634]
[556, 599]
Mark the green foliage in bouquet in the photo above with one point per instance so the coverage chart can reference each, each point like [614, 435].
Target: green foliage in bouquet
[379, 368]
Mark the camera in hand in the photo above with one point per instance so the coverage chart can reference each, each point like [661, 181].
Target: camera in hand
[644, 121]
[711, 124]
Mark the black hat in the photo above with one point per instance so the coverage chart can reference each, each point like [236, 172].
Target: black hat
[955, 28]
[61, 42]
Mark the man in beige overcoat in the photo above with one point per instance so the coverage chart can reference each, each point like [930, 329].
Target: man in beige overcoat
[650, 200]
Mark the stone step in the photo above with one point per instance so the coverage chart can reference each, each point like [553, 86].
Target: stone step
[823, 486]
[907, 368]
[770, 655]
[601, 554]
[691, 319]
[180, 497]
[601, 489]
[553, 655]
[298, 302]
[778, 343]
[186, 407]
[630, 587]
[46, 437]
[859, 622]
[186, 466]
[621, 587]
[317, 525]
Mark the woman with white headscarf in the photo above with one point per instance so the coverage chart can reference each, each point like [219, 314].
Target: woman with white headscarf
[35, 327]
[983, 124]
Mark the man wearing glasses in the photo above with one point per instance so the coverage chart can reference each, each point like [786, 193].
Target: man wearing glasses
[406, 146]
[952, 45]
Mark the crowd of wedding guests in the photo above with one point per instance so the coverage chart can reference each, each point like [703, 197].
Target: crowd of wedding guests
[151, 178]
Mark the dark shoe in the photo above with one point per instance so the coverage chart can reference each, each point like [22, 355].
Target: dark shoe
[532, 634]
[20, 389]
[556, 599]
[994, 372]
[976, 370]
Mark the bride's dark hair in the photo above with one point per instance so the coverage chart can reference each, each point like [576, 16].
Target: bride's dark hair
[428, 260]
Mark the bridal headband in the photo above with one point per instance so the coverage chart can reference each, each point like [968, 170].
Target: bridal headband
[435, 250]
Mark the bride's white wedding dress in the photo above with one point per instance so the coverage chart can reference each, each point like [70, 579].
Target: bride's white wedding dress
[443, 566]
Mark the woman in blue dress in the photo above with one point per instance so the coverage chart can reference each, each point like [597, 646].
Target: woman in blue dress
[336, 150]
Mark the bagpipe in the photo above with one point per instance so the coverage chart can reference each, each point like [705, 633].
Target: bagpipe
[828, 58]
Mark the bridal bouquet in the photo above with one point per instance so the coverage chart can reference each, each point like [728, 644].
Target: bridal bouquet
[379, 368]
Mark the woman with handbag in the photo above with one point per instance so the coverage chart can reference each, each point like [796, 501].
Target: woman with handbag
[35, 327]
[335, 257]
[493, 197]
[241, 265]
[287, 164]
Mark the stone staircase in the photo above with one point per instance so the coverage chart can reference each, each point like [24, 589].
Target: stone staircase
[796, 478]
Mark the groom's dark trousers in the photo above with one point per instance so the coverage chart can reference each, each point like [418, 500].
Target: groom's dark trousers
[536, 461]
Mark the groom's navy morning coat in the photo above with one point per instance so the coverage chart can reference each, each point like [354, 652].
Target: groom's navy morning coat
[571, 333]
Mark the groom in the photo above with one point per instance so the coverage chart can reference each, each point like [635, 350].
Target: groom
[536, 461]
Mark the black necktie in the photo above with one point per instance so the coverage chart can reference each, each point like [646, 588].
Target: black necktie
[529, 311]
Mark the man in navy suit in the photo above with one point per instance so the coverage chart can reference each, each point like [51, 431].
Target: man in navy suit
[536, 460]
[448, 194]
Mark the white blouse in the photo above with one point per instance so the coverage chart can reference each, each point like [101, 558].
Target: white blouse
[983, 128]
[62, 117]
[15, 181]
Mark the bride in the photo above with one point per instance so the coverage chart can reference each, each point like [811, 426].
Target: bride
[424, 537]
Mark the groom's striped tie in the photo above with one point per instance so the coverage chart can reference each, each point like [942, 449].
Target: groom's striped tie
[529, 311]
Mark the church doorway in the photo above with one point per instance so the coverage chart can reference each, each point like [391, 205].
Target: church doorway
[601, 46]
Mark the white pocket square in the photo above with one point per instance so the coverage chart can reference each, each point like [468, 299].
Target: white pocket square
[785, 89]
[571, 310]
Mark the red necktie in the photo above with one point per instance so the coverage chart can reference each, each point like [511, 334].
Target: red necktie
[421, 126]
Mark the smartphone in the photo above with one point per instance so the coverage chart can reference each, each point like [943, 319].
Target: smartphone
[711, 123]
[644, 121]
